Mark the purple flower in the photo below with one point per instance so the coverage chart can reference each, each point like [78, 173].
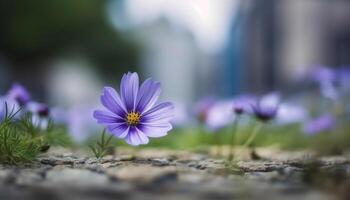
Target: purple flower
[320, 124]
[39, 109]
[19, 94]
[40, 114]
[242, 104]
[60, 115]
[289, 113]
[8, 105]
[2, 109]
[344, 78]
[181, 117]
[325, 77]
[266, 108]
[80, 124]
[134, 115]
[321, 74]
[219, 115]
[202, 108]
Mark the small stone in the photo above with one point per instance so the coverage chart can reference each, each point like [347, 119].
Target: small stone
[54, 160]
[76, 176]
[125, 158]
[265, 176]
[160, 162]
[334, 160]
[260, 166]
[28, 178]
[141, 174]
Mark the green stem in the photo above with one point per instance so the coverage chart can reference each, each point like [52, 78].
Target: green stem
[101, 149]
[253, 135]
[233, 140]
[217, 137]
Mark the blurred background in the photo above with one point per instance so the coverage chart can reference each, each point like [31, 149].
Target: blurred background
[205, 53]
[65, 51]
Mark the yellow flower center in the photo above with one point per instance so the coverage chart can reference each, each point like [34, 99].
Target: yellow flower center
[133, 118]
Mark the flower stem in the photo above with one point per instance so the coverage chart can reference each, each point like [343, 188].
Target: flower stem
[102, 146]
[218, 140]
[233, 140]
[251, 138]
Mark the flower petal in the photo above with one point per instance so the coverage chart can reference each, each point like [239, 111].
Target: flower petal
[147, 95]
[120, 130]
[105, 117]
[111, 100]
[136, 137]
[163, 112]
[155, 130]
[128, 89]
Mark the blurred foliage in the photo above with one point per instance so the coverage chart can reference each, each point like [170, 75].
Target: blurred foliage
[33, 31]
[100, 149]
[21, 141]
[289, 137]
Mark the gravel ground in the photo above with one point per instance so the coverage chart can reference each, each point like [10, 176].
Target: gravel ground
[159, 174]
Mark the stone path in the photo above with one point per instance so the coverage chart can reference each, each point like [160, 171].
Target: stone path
[163, 174]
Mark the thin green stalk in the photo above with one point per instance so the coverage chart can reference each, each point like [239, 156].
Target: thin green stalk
[233, 140]
[253, 135]
[251, 138]
[218, 141]
[102, 146]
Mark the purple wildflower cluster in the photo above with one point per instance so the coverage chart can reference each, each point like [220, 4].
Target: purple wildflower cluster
[134, 114]
[220, 113]
[333, 85]
[18, 100]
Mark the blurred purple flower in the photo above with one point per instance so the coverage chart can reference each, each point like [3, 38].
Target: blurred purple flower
[19, 93]
[202, 108]
[77, 119]
[80, 123]
[59, 115]
[325, 77]
[266, 108]
[39, 109]
[2, 109]
[10, 106]
[181, 116]
[242, 104]
[320, 124]
[321, 74]
[291, 113]
[40, 114]
[219, 115]
[344, 78]
[134, 115]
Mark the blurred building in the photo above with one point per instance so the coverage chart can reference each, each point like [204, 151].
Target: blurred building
[183, 43]
[284, 39]
[195, 48]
